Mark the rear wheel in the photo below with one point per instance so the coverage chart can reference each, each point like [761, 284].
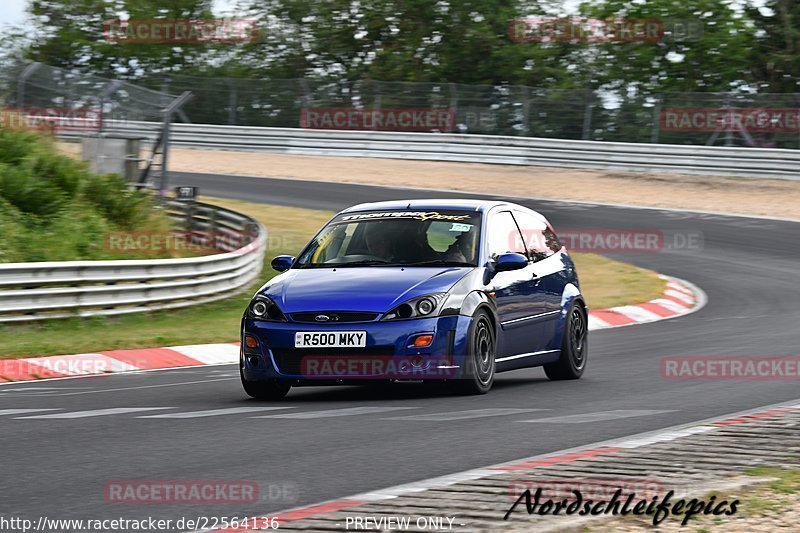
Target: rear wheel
[574, 347]
[479, 365]
[272, 389]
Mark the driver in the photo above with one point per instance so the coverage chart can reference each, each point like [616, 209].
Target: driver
[377, 242]
[416, 245]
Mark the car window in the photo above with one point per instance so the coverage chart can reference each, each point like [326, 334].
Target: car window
[552, 240]
[540, 239]
[504, 236]
[407, 238]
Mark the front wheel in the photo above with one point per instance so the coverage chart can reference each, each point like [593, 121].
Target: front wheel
[480, 360]
[273, 389]
[574, 347]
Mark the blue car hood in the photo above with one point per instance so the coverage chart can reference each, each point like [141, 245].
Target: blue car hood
[377, 289]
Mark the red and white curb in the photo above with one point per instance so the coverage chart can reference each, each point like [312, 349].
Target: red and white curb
[679, 298]
[597, 449]
[116, 361]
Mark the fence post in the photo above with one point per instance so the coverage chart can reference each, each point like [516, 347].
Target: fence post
[212, 231]
[168, 112]
[526, 110]
[307, 100]
[232, 101]
[189, 222]
[587, 115]
[656, 120]
[797, 98]
[377, 107]
[454, 104]
[108, 90]
[728, 134]
[27, 73]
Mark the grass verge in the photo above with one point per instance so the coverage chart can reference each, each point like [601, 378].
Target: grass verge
[608, 283]
[52, 208]
[605, 282]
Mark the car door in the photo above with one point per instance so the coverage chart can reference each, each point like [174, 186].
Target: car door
[543, 247]
[519, 301]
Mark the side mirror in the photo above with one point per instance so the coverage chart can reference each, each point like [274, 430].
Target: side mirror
[510, 261]
[282, 263]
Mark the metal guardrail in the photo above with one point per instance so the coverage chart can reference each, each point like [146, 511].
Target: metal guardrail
[710, 160]
[34, 291]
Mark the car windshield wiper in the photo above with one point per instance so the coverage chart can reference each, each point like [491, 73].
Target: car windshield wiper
[366, 262]
[380, 262]
[442, 262]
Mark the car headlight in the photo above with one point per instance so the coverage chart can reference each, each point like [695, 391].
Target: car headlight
[263, 308]
[419, 307]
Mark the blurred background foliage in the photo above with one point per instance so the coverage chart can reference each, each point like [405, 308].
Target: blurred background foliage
[438, 53]
[53, 209]
[744, 43]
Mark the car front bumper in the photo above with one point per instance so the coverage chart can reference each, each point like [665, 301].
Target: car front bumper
[388, 353]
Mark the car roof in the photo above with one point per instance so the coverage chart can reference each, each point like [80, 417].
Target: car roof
[456, 203]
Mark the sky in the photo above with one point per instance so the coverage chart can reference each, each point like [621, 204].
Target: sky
[12, 11]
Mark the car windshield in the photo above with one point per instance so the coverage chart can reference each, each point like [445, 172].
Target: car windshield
[396, 238]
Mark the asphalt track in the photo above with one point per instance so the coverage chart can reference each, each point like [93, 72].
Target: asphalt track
[59, 467]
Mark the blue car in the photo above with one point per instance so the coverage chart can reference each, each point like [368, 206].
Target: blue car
[444, 291]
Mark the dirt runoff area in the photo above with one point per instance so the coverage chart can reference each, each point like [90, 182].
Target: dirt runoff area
[748, 196]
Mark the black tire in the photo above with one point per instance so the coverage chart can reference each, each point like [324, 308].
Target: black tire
[479, 367]
[574, 347]
[273, 389]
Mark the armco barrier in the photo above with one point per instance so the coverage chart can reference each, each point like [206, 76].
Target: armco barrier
[32, 291]
[692, 159]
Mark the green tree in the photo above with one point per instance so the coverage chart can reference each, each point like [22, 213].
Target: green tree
[72, 36]
[776, 59]
[399, 40]
[714, 56]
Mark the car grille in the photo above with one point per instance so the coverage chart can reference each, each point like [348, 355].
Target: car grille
[290, 360]
[336, 317]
